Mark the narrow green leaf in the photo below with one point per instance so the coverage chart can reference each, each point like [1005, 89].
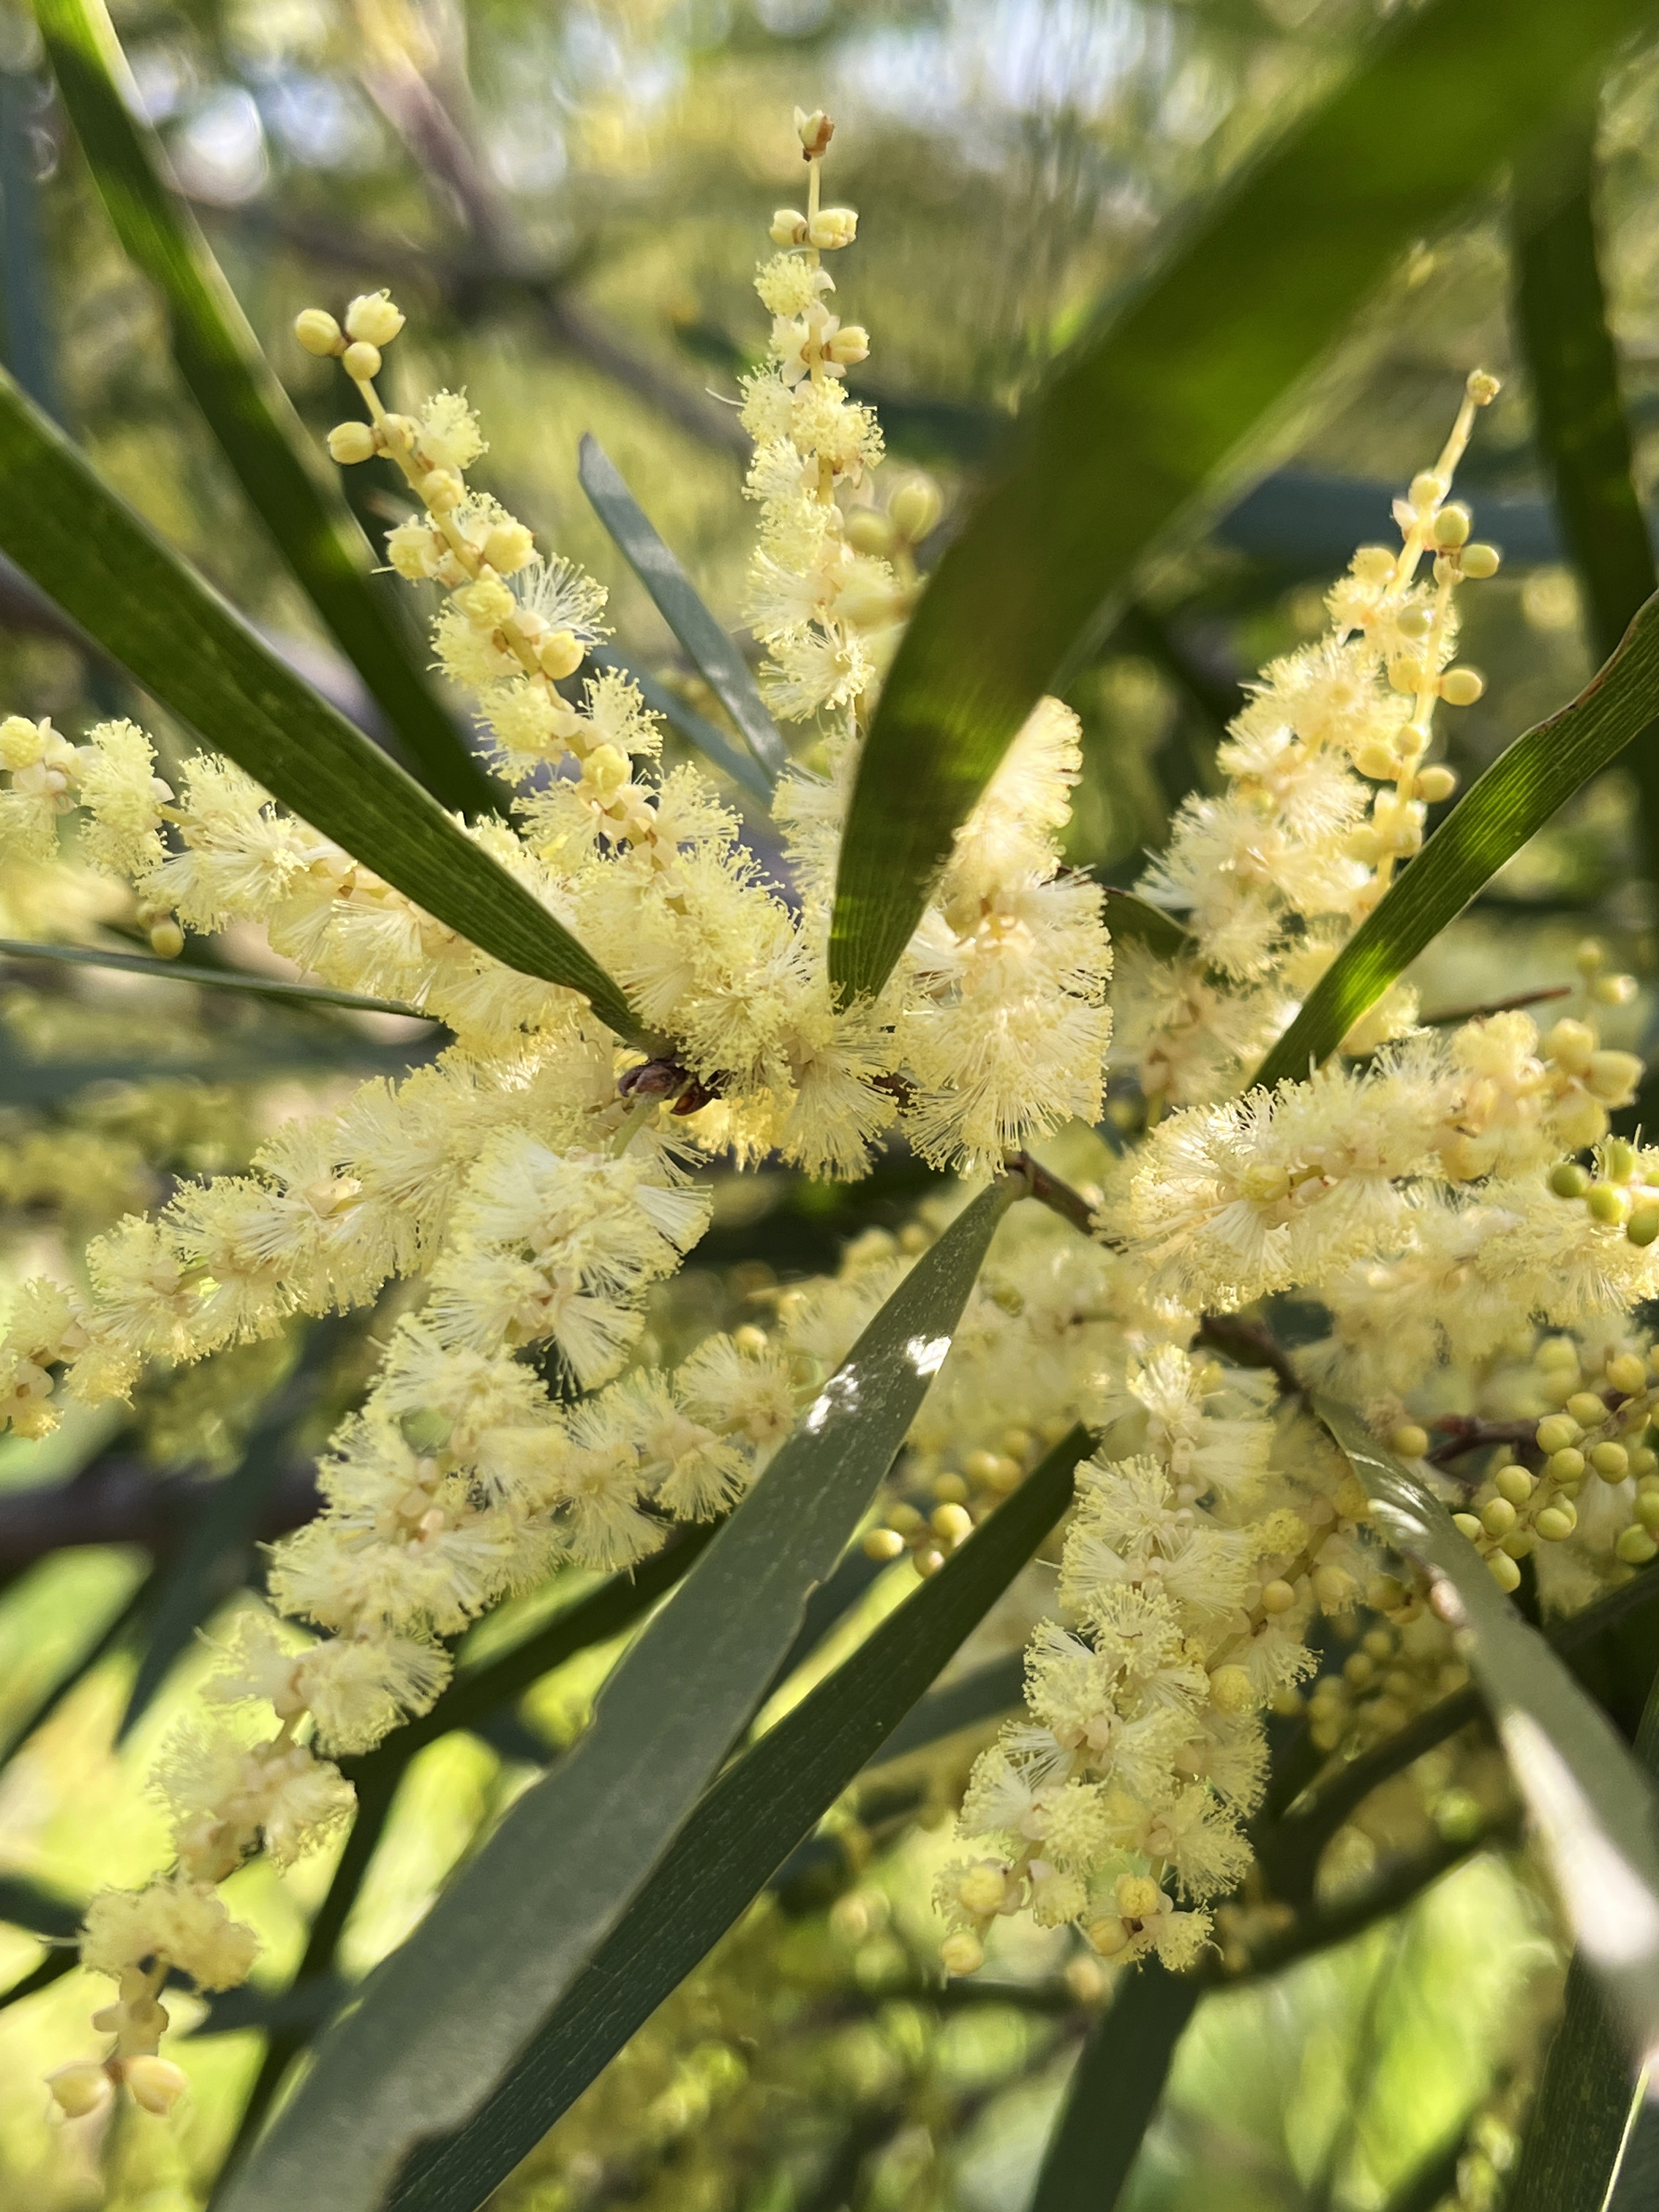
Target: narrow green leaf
[695, 728]
[236, 390]
[444, 2017]
[1592, 1805]
[1114, 2090]
[25, 286]
[1136, 921]
[218, 1547]
[132, 1609]
[47, 1082]
[1511, 802]
[739, 1833]
[989, 1691]
[214, 979]
[1561, 319]
[711, 651]
[1579, 2131]
[25, 1904]
[1142, 414]
[109, 572]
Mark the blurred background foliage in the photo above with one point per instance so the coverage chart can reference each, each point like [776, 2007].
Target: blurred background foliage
[569, 200]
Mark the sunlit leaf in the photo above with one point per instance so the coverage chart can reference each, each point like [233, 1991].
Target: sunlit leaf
[1144, 411]
[109, 572]
[443, 2018]
[1591, 1804]
[710, 649]
[1510, 803]
[1580, 2131]
[245, 407]
[740, 1832]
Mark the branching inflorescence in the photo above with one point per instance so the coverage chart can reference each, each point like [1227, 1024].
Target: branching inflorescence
[540, 1176]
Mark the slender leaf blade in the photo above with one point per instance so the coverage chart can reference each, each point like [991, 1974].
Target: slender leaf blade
[442, 2020]
[109, 572]
[1501, 810]
[1144, 411]
[741, 1832]
[1581, 2128]
[1592, 1804]
[1572, 364]
[1114, 2091]
[214, 979]
[245, 407]
[711, 651]
[691, 725]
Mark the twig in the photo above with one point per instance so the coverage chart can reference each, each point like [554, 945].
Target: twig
[1464, 1434]
[1249, 1344]
[1498, 1006]
[1048, 1190]
[118, 1499]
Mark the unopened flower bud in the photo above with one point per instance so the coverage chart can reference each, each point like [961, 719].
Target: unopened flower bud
[983, 1891]
[374, 318]
[1276, 1597]
[509, 547]
[167, 939]
[1409, 1440]
[952, 1523]
[559, 655]
[352, 441]
[1607, 1204]
[1461, 687]
[1643, 1227]
[361, 362]
[413, 551]
[869, 531]
[1557, 1432]
[962, 1953]
[1435, 785]
[1613, 990]
[79, 2089]
[1107, 1937]
[157, 2083]
[831, 229]
[488, 603]
[1479, 561]
[815, 131]
[883, 1544]
[915, 508]
[1482, 387]
[850, 343]
[1554, 1524]
[442, 490]
[1137, 1896]
[318, 331]
[1451, 524]
[1427, 486]
[1504, 1572]
[1636, 1546]
[788, 228]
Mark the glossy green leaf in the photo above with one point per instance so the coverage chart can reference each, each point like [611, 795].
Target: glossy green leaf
[213, 979]
[1592, 1806]
[1114, 2091]
[245, 407]
[444, 2018]
[1144, 411]
[710, 649]
[1580, 2129]
[1510, 803]
[109, 572]
[695, 728]
[739, 1833]
[217, 1548]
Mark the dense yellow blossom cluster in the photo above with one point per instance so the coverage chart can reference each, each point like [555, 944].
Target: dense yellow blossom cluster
[541, 1176]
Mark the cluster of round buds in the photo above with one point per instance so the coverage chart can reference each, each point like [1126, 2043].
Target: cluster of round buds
[1625, 1191]
[1141, 1904]
[982, 1892]
[1382, 1683]
[956, 1501]
[1413, 628]
[1598, 1431]
[137, 2019]
[372, 321]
